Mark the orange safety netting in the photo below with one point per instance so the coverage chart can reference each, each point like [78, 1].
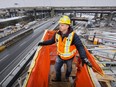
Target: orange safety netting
[39, 74]
[83, 78]
[95, 66]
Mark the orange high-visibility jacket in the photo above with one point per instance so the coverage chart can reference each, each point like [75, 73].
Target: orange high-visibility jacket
[64, 48]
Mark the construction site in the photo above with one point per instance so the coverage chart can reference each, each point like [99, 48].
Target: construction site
[25, 24]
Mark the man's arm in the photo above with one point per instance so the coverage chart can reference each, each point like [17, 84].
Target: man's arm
[48, 42]
[77, 42]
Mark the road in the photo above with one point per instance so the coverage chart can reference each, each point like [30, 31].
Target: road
[13, 54]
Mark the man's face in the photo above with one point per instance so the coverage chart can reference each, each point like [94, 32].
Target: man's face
[63, 27]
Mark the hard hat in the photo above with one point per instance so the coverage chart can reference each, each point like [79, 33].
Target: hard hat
[65, 20]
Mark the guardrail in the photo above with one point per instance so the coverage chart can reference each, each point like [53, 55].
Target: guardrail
[3, 44]
[6, 81]
[13, 39]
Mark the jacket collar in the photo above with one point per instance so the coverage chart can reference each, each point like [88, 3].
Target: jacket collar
[65, 35]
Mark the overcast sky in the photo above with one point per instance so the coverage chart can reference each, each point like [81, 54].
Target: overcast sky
[33, 3]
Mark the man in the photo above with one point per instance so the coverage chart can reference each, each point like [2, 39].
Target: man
[67, 43]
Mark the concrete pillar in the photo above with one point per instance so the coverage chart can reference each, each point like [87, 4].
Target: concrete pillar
[96, 15]
[34, 12]
[101, 15]
[80, 14]
[41, 15]
[48, 15]
[8, 13]
[62, 13]
[109, 18]
[74, 13]
[52, 12]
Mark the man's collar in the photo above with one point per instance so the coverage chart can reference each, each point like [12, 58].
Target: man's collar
[65, 35]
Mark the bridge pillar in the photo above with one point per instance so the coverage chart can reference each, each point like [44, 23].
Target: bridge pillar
[8, 13]
[41, 15]
[96, 18]
[34, 12]
[62, 13]
[101, 15]
[80, 14]
[48, 14]
[109, 18]
[96, 15]
[74, 13]
[52, 12]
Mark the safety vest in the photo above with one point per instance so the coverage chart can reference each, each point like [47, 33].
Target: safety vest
[64, 48]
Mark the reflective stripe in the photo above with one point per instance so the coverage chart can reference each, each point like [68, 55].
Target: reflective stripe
[67, 54]
[68, 42]
[57, 38]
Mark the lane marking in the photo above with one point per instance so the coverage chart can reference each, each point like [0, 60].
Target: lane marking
[23, 43]
[4, 57]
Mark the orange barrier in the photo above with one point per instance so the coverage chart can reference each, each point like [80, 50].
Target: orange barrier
[95, 66]
[39, 74]
[52, 48]
[40, 66]
[83, 78]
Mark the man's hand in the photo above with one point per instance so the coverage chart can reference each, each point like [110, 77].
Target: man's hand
[40, 43]
[87, 62]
